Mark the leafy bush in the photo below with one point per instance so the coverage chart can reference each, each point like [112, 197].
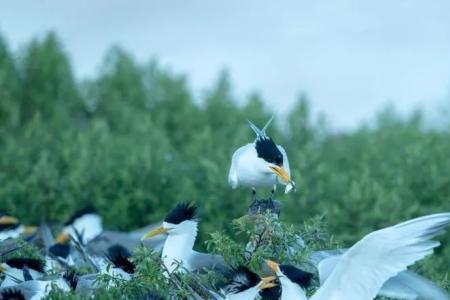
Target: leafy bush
[134, 140]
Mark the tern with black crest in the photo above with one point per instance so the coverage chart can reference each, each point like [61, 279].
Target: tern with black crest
[260, 164]
[365, 267]
[181, 226]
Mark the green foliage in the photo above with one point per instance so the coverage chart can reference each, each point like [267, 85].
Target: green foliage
[134, 141]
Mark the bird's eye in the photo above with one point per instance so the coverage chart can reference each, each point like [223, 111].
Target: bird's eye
[278, 160]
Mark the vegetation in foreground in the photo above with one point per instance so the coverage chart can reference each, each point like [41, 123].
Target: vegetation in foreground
[134, 140]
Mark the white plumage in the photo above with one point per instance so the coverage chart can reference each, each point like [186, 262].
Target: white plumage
[380, 255]
[260, 164]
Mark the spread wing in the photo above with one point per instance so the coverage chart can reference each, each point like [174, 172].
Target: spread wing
[405, 285]
[380, 255]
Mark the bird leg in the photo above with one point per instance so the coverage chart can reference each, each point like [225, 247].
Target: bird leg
[272, 194]
[254, 194]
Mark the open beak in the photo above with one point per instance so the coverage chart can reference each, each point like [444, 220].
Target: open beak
[267, 282]
[273, 266]
[154, 232]
[30, 230]
[6, 220]
[281, 173]
[62, 238]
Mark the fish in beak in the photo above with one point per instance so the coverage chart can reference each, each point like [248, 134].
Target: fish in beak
[7, 220]
[281, 172]
[267, 282]
[155, 232]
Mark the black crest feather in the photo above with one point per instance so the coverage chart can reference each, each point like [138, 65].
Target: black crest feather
[31, 263]
[60, 250]
[267, 150]
[182, 212]
[85, 211]
[297, 276]
[271, 293]
[71, 278]
[119, 255]
[5, 227]
[241, 279]
[11, 294]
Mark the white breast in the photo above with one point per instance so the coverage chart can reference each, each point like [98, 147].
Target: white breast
[248, 170]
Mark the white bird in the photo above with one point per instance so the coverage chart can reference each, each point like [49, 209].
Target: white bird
[260, 164]
[181, 225]
[405, 285]
[246, 285]
[380, 255]
[13, 269]
[10, 227]
[33, 289]
[84, 225]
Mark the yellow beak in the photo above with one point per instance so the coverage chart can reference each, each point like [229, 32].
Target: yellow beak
[154, 232]
[6, 220]
[266, 282]
[281, 173]
[62, 238]
[273, 266]
[30, 230]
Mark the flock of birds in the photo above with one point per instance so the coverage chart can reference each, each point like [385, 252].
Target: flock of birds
[375, 265]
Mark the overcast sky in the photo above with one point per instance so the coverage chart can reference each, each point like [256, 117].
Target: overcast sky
[350, 57]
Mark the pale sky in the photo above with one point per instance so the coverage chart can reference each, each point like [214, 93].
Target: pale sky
[350, 57]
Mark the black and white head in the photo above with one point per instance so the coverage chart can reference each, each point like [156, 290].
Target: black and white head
[271, 159]
[10, 227]
[182, 220]
[84, 225]
[293, 280]
[245, 284]
[11, 294]
[19, 268]
[60, 250]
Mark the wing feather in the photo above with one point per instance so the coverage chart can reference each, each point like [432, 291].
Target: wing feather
[380, 255]
[233, 179]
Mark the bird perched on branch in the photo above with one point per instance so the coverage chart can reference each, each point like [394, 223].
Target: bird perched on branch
[365, 267]
[260, 164]
[181, 225]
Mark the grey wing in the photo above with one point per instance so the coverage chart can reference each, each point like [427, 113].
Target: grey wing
[408, 285]
[130, 240]
[233, 179]
[405, 285]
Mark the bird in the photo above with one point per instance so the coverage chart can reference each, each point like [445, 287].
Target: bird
[84, 225]
[260, 164]
[405, 285]
[13, 269]
[34, 289]
[181, 226]
[245, 284]
[10, 227]
[362, 270]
